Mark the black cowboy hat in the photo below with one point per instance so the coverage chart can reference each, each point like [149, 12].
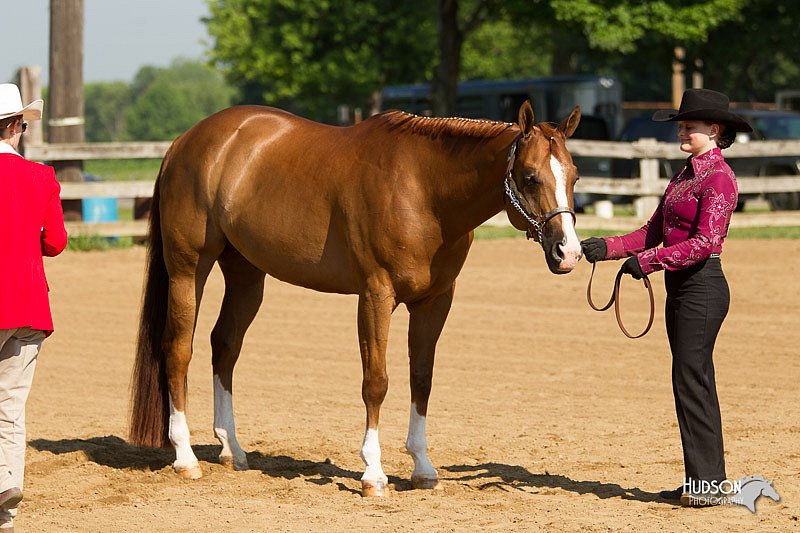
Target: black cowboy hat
[704, 104]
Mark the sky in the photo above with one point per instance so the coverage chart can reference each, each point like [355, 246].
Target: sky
[120, 36]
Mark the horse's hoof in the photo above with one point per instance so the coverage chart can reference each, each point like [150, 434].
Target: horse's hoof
[189, 472]
[233, 464]
[371, 489]
[425, 483]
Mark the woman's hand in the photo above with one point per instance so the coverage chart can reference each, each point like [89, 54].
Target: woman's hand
[594, 249]
[631, 266]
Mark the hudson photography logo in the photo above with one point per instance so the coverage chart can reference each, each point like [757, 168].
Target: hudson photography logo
[744, 491]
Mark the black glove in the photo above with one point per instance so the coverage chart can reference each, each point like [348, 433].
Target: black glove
[631, 266]
[594, 249]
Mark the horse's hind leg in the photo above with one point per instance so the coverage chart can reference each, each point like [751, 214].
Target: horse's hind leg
[188, 272]
[426, 320]
[244, 290]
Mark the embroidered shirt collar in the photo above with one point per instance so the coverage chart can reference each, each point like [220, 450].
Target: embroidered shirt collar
[6, 148]
[703, 161]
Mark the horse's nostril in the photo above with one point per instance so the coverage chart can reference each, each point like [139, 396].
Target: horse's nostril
[557, 252]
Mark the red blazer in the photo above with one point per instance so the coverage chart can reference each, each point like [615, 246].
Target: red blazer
[31, 226]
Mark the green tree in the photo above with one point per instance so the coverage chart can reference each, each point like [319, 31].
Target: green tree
[456, 20]
[311, 55]
[754, 54]
[498, 50]
[634, 40]
[105, 105]
[165, 102]
[618, 25]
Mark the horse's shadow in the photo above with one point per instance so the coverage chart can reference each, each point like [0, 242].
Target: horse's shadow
[110, 451]
[514, 477]
[114, 452]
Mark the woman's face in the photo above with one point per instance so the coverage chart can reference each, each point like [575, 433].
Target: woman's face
[697, 137]
[12, 133]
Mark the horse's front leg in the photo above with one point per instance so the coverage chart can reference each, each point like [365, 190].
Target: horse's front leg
[426, 320]
[375, 308]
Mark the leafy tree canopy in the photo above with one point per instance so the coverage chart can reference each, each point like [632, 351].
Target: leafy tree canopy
[105, 105]
[311, 55]
[617, 25]
[165, 102]
[498, 50]
[755, 54]
[160, 103]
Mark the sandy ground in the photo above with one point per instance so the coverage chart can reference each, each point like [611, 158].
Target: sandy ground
[543, 416]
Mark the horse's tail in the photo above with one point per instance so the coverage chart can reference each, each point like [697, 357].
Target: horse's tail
[149, 417]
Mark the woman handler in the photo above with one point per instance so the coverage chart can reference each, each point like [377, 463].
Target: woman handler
[690, 223]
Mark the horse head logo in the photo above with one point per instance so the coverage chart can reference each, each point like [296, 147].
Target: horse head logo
[752, 487]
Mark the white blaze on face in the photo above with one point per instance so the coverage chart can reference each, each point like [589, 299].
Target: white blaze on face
[571, 250]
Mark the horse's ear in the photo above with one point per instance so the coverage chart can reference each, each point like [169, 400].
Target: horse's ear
[525, 119]
[570, 123]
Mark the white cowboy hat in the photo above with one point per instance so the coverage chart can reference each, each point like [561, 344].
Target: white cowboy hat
[11, 104]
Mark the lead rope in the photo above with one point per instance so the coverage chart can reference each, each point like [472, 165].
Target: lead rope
[615, 301]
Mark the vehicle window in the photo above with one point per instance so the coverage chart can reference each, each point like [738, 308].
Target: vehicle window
[471, 107]
[645, 127]
[777, 128]
[509, 106]
[592, 129]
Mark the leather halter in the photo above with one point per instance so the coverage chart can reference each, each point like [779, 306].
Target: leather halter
[511, 191]
[615, 300]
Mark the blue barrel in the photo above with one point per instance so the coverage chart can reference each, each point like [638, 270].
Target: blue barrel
[100, 210]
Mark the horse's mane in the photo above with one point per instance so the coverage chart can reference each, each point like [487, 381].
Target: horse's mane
[443, 127]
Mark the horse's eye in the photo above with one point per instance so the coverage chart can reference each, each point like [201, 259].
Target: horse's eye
[529, 178]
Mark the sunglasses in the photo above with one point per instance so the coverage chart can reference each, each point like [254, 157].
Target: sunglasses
[24, 126]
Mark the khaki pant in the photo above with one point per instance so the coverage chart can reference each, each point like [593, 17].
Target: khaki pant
[19, 348]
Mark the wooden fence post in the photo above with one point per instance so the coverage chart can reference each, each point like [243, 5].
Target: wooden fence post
[647, 202]
[30, 87]
[65, 117]
[678, 76]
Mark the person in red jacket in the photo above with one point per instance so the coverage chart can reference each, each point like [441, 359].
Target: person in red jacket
[31, 226]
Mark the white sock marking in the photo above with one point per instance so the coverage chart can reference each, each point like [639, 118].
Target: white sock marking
[224, 425]
[417, 446]
[180, 438]
[371, 454]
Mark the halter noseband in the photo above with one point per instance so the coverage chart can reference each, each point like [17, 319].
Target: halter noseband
[537, 223]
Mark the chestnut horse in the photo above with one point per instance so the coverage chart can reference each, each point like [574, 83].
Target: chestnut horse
[384, 209]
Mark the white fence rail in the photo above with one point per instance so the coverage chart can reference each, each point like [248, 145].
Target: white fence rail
[645, 190]
[86, 151]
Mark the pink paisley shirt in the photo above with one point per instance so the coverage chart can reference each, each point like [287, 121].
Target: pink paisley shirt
[691, 220]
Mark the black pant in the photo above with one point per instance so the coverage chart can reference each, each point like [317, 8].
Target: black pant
[697, 302]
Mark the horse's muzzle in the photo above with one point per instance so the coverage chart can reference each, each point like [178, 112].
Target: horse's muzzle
[563, 256]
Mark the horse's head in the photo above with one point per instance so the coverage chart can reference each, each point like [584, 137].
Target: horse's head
[539, 188]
